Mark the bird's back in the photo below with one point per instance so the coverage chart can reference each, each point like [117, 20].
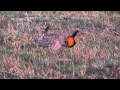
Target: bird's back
[47, 40]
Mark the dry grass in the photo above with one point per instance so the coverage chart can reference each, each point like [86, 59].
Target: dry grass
[95, 56]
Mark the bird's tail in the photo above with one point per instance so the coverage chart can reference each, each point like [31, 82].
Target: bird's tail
[46, 29]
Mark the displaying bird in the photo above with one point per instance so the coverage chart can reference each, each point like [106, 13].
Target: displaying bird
[71, 40]
[55, 41]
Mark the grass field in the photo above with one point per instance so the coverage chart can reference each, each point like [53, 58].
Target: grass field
[95, 56]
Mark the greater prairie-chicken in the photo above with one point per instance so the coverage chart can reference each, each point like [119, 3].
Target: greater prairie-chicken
[55, 41]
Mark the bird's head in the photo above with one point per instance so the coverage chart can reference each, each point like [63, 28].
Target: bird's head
[72, 40]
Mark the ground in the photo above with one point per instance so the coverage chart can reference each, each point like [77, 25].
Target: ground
[95, 56]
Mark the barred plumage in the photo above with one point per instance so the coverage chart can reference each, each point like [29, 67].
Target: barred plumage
[53, 41]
